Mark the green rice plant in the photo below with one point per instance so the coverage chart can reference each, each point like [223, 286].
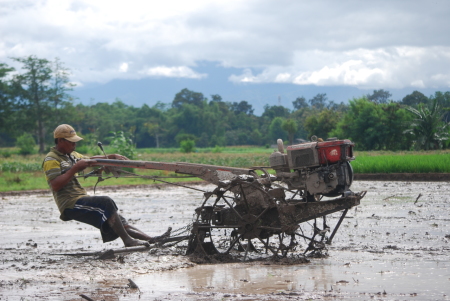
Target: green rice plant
[19, 167]
[12, 181]
[430, 163]
[19, 172]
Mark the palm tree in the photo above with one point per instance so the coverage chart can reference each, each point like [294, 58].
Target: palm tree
[428, 126]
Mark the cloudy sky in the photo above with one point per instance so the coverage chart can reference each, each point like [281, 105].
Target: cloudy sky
[264, 52]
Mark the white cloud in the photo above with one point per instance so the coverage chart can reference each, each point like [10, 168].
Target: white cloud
[395, 67]
[123, 67]
[181, 71]
[348, 42]
[418, 84]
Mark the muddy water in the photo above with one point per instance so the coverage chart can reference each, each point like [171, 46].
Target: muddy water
[394, 246]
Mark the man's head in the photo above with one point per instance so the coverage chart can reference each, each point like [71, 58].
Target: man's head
[66, 138]
[67, 132]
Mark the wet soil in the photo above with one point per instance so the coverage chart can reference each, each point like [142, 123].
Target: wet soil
[394, 246]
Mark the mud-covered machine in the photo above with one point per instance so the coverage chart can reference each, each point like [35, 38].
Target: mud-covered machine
[254, 210]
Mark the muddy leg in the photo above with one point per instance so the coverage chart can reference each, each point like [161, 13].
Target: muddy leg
[136, 233]
[156, 239]
[115, 223]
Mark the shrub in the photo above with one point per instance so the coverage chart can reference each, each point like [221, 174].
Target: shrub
[123, 145]
[6, 154]
[26, 144]
[187, 146]
[217, 149]
[89, 145]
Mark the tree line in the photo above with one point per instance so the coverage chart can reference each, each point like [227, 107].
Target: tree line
[35, 99]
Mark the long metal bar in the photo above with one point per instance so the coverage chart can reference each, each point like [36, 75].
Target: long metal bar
[306, 237]
[337, 226]
[267, 246]
[235, 211]
[268, 228]
[218, 227]
[210, 173]
[233, 243]
[265, 210]
[245, 198]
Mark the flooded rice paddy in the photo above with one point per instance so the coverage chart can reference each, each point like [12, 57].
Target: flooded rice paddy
[394, 246]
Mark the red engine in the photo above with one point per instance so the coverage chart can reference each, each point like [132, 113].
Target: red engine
[321, 168]
[311, 154]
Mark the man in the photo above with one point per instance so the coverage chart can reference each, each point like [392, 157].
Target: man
[61, 165]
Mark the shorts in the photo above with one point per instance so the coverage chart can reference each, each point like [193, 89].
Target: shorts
[95, 211]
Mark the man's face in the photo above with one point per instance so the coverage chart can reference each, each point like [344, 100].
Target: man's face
[67, 146]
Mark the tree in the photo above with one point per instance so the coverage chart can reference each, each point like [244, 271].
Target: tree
[242, 107]
[444, 101]
[321, 124]
[275, 129]
[216, 97]
[414, 99]
[38, 96]
[154, 129]
[26, 144]
[291, 127]
[275, 111]
[319, 101]
[374, 126]
[379, 96]
[186, 96]
[428, 127]
[6, 108]
[150, 121]
[189, 118]
[300, 103]
[60, 86]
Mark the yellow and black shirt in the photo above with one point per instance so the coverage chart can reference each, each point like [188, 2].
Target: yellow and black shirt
[54, 165]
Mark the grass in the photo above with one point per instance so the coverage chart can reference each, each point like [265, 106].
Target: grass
[24, 172]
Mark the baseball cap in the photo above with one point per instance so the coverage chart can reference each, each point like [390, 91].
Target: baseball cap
[67, 132]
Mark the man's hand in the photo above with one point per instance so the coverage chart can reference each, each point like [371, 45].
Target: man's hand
[118, 157]
[82, 164]
[113, 156]
[62, 180]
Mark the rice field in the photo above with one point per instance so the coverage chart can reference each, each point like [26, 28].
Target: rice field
[403, 163]
[24, 172]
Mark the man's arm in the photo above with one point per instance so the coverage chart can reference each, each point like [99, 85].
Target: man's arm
[62, 180]
[113, 156]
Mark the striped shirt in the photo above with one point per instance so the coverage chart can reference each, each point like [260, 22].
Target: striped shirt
[54, 165]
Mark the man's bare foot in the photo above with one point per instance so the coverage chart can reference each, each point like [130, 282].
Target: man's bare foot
[136, 242]
[156, 239]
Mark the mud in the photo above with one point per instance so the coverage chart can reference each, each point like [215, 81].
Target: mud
[394, 246]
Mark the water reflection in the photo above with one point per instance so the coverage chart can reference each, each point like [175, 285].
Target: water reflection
[363, 274]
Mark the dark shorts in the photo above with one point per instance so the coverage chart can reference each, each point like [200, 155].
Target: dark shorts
[95, 210]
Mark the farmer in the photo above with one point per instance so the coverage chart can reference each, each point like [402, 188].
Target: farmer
[61, 165]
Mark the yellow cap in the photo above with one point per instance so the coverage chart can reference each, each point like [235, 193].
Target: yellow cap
[67, 132]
